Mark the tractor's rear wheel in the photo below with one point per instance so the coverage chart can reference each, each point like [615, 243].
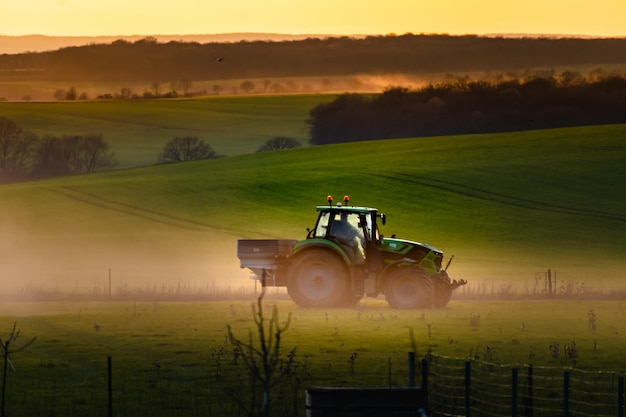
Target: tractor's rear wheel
[409, 287]
[317, 278]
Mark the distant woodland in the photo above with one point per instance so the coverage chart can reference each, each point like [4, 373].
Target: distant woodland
[522, 90]
[466, 106]
[147, 60]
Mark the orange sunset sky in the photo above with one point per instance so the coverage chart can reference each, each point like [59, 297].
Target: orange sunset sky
[342, 17]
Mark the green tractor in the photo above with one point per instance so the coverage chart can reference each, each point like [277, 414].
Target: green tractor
[345, 258]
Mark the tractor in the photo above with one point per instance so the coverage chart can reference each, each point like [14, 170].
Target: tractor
[345, 258]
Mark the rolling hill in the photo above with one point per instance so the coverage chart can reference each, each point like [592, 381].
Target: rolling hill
[137, 130]
[509, 206]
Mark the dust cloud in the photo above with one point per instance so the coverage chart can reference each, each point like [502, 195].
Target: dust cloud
[381, 82]
[157, 264]
[357, 83]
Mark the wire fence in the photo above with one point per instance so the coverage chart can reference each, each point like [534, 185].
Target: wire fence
[453, 387]
[458, 387]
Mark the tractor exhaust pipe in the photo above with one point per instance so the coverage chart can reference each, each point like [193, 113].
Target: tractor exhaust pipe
[449, 262]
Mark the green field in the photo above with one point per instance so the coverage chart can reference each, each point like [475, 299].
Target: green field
[137, 130]
[459, 330]
[508, 206]
[175, 358]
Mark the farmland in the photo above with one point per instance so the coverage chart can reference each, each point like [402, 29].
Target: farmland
[131, 330]
[137, 130]
[510, 206]
[175, 358]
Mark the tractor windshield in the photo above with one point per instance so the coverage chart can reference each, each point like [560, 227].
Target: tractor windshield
[338, 222]
[347, 224]
[322, 224]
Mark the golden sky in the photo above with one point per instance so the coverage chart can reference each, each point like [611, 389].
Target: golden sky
[178, 17]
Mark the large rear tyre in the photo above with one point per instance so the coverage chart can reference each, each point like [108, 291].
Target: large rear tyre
[317, 278]
[409, 287]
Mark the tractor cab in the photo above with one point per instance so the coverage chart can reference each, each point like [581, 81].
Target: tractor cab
[341, 220]
[354, 229]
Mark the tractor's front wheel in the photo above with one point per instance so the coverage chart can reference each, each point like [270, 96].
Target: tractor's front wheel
[317, 278]
[409, 287]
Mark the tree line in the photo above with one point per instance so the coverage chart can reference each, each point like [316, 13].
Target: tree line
[465, 106]
[147, 60]
[26, 156]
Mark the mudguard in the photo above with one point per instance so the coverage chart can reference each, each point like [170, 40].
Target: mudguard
[319, 242]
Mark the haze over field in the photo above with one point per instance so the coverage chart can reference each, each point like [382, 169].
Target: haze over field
[138, 263]
[507, 205]
[41, 241]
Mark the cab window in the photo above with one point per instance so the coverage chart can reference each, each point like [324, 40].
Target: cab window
[322, 224]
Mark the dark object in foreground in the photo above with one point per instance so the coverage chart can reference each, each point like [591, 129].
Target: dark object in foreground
[370, 402]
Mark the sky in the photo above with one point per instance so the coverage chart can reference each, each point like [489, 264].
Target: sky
[333, 17]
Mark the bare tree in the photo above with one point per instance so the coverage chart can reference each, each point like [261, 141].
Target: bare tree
[186, 148]
[71, 94]
[126, 93]
[155, 89]
[75, 154]
[262, 356]
[7, 349]
[50, 158]
[185, 85]
[247, 86]
[279, 143]
[60, 94]
[91, 154]
[16, 150]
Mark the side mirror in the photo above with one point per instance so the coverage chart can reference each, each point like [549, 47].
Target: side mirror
[383, 218]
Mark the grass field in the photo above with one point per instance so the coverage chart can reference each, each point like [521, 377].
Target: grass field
[517, 335]
[509, 206]
[137, 130]
[175, 358]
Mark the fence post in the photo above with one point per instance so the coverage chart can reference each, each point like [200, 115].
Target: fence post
[468, 374]
[566, 394]
[514, 392]
[425, 382]
[529, 399]
[620, 396]
[549, 274]
[411, 369]
[110, 386]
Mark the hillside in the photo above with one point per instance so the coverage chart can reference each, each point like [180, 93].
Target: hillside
[42, 43]
[137, 130]
[509, 206]
[147, 60]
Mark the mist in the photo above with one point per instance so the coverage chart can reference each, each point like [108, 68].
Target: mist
[362, 83]
[123, 266]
